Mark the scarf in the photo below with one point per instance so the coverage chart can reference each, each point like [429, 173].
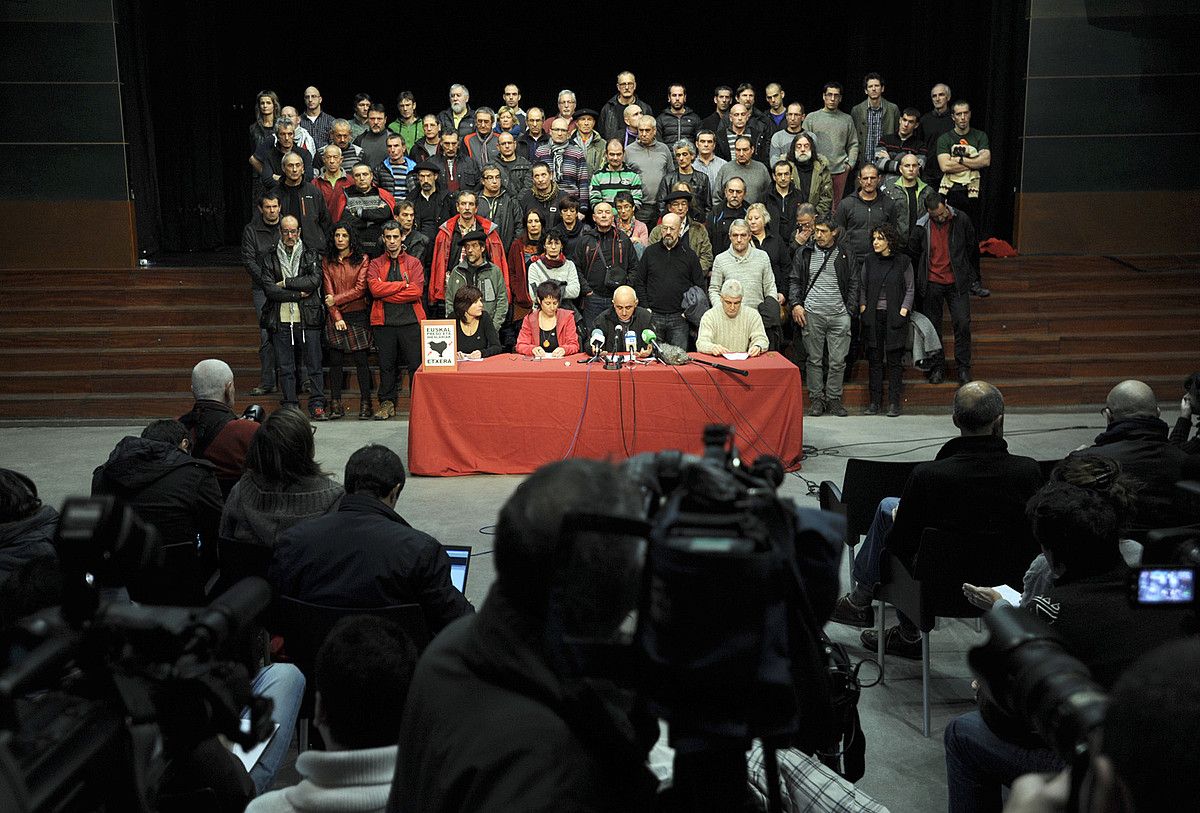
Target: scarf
[552, 194]
[289, 265]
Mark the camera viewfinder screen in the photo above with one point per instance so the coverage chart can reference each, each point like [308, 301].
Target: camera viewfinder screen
[1166, 586]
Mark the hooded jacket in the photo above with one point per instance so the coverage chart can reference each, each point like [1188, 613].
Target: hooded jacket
[167, 487]
[24, 539]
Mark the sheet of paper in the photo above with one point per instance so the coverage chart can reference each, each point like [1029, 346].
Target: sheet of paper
[736, 356]
[1008, 594]
[249, 758]
[462, 359]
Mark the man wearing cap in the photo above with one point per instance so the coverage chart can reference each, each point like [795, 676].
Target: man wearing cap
[475, 270]
[431, 205]
[448, 249]
[587, 139]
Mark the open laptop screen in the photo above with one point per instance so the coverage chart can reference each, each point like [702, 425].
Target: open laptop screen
[460, 560]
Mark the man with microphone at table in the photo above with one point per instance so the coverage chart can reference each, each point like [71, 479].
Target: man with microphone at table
[731, 328]
[624, 316]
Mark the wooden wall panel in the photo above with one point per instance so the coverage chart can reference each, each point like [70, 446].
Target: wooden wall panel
[68, 234]
[1163, 222]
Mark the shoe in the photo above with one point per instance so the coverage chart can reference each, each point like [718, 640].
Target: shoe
[834, 407]
[893, 410]
[336, 409]
[937, 375]
[894, 643]
[849, 613]
[365, 413]
[318, 413]
[306, 386]
[964, 376]
[979, 291]
[261, 390]
[872, 409]
[386, 410]
[816, 407]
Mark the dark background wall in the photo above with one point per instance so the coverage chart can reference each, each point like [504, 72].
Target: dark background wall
[64, 138]
[1111, 127]
[195, 70]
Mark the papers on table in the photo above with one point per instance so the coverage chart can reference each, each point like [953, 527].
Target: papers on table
[736, 356]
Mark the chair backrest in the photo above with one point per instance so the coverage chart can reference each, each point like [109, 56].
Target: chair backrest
[239, 559]
[946, 559]
[179, 581]
[305, 626]
[1047, 466]
[866, 483]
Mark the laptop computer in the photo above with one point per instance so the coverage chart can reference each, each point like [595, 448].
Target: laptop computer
[460, 561]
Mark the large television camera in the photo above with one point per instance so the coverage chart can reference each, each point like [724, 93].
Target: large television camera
[718, 607]
[97, 698]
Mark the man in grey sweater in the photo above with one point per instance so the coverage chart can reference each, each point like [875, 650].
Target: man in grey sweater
[653, 160]
[837, 138]
[743, 165]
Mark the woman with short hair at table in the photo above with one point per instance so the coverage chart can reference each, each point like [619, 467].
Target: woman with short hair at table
[477, 336]
[549, 331]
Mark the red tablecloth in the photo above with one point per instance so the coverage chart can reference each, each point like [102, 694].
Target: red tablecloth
[510, 414]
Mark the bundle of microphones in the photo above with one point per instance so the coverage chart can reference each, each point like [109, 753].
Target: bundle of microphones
[666, 353]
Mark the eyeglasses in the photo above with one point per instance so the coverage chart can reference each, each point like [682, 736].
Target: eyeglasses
[289, 231]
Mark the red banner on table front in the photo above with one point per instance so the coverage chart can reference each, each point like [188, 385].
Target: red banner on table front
[511, 414]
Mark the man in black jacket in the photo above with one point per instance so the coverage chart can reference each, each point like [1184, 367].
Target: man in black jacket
[168, 488]
[973, 485]
[612, 115]
[823, 289]
[365, 554]
[298, 198]
[493, 720]
[678, 122]
[289, 276]
[261, 234]
[942, 245]
[667, 269]
[605, 259]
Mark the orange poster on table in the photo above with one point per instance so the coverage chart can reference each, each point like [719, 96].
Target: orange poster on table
[439, 346]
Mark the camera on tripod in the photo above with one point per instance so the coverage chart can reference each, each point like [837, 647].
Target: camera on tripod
[100, 695]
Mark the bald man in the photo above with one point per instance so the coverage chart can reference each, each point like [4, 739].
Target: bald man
[1136, 437]
[314, 120]
[215, 432]
[973, 485]
[623, 316]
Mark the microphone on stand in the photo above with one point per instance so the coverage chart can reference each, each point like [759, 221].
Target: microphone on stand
[596, 341]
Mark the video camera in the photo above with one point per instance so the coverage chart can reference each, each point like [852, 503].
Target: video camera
[1171, 559]
[98, 697]
[713, 607]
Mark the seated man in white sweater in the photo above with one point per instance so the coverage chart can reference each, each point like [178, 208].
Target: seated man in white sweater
[731, 328]
[363, 672]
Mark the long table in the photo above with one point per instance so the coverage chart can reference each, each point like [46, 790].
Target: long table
[511, 414]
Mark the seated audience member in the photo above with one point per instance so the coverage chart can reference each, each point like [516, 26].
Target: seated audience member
[26, 526]
[1137, 438]
[491, 723]
[554, 265]
[363, 672]
[215, 433]
[477, 336]
[621, 317]
[364, 554]
[168, 488]
[1088, 607]
[973, 483]
[282, 485]
[1184, 434]
[731, 328]
[549, 331]
[347, 326]
[30, 585]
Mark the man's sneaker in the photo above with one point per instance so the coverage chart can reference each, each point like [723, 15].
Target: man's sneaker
[386, 410]
[872, 409]
[893, 409]
[834, 407]
[937, 375]
[262, 390]
[816, 407]
[964, 375]
[849, 613]
[978, 290]
[894, 643]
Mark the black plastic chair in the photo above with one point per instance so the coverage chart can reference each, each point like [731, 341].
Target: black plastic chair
[865, 484]
[934, 587]
[305, 626]
[180, 580]
[239, 559]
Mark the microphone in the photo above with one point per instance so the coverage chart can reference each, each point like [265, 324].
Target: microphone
[597, 341]
[631, 343]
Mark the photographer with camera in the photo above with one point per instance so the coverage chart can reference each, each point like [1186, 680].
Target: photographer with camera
[1149, 750]
[1087, 606]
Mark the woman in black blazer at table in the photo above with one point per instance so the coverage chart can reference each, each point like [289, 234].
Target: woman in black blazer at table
[477, 336]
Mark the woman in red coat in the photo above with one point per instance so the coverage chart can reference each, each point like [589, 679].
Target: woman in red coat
[347, 330]
[549, 331]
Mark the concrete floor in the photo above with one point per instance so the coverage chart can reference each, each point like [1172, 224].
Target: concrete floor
[904, 770]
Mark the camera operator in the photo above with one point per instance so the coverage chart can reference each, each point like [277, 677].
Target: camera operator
[491, 723]
[1078, 529]
[1149, 757]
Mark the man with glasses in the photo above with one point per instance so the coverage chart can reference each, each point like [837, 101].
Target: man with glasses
[612, 115]
[837, 138]
[431, 140]
[666, 270]
[567, 161]
[653, 160]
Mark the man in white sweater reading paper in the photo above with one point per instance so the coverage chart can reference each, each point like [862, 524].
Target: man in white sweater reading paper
[731, 328]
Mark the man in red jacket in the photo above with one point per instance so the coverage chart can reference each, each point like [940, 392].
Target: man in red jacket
[447, 248]
[396, 281]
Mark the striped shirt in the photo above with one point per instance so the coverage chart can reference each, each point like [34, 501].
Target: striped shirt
[824, 295]
[394, 178]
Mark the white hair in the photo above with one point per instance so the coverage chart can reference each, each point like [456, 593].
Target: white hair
[732, 288]
[209, 380]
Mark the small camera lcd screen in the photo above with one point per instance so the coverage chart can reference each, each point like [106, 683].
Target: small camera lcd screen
[1167, 585]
